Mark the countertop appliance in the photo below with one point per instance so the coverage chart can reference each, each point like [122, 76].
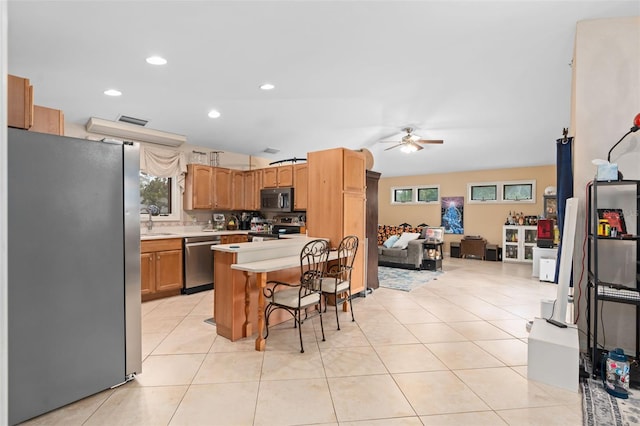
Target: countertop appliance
[198, 263]
[276, 200]
[219, 222]
[74, 269]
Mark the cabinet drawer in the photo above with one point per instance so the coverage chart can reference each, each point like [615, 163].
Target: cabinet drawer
[161, 245]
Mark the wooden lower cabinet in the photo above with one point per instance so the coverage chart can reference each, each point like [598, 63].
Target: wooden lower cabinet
[234, 238]
[160, 268]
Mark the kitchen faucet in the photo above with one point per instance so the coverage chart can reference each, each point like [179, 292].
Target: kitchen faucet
[152, 210]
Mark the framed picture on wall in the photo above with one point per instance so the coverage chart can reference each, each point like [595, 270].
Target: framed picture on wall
[452, 215]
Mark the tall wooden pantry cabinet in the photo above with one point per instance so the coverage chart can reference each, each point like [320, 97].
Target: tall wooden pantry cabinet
[337, 202]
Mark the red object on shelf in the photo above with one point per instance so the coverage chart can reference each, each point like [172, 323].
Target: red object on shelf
[545, 232]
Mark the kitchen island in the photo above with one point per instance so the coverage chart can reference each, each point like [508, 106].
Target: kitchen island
[240, 273]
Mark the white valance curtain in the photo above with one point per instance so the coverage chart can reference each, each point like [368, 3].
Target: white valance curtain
[163, 163]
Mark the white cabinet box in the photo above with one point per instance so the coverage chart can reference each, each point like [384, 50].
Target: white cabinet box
[518, 243]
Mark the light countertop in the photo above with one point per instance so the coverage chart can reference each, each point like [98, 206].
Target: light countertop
[168, 232]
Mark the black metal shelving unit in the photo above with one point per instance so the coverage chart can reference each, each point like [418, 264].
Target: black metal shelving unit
[602, 291]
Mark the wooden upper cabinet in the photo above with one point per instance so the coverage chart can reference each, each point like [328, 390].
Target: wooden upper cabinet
[47, 120]
[285, 176]
[277, 177]
[252, 186]
[354, 171]
[222, 187]
[270, 177]
[300, 186]
[238, 195]
[198, 187]
[19, 102]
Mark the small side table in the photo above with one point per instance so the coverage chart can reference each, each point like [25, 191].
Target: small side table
[432, 256]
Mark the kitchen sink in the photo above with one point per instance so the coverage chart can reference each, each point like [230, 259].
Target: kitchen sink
[155, 234]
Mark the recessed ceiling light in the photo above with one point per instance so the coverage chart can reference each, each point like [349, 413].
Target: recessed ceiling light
[214, 114]
[156, 60]
[112, 92]
[267, 86]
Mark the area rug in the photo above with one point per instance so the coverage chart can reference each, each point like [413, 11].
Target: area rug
[404, 279]
[599, 408]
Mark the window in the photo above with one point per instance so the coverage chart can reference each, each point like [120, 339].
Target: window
[481, 193]
[419, 194]
[161, 192]
[521, 191]
[401, 195]
[518, 191]
[428, 195]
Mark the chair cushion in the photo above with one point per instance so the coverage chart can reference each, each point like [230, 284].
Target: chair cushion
[289, 298]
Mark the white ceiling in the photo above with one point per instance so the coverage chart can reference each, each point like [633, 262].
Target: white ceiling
[493, 79]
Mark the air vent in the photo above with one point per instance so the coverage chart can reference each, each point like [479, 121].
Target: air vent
[271, 151]
[133, 120]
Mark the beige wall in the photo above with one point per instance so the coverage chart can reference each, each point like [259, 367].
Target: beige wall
[479, 219]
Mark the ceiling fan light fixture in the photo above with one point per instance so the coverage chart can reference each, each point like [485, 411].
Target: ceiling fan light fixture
[408, 148]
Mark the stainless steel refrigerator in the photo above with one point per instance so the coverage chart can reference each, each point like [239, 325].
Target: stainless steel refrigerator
[73, 271]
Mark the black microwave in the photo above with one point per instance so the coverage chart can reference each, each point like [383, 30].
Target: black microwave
[276, 200]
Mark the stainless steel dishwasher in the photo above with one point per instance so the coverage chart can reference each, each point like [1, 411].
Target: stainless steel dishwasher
[198, 263]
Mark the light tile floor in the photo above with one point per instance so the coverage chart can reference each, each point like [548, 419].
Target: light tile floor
[451, 352]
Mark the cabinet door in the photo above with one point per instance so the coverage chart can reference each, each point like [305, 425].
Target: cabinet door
[270, 177]
[238, 195]
[354, 171]
[222, 188]
[147, 273]
[198, 187]
[168, 270]
[285, 176]
[47, 120]
[300, 186]
[19, 102]
[250, 194]
[354, 224]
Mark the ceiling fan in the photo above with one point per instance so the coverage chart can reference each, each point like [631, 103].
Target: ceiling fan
[411, 142]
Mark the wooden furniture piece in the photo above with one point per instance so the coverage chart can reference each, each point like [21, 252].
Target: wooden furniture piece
[518, 242]
[432, 256]
[473, 247]
[337, 203]
[47, 120]
[371, 229]
[160, 268]
[19, 102]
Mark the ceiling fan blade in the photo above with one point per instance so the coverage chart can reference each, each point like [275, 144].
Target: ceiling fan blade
[395, 146]
[418, 147]
[437, 141]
